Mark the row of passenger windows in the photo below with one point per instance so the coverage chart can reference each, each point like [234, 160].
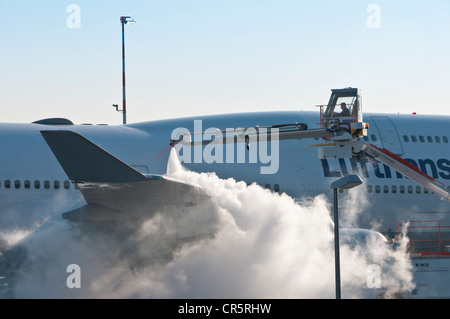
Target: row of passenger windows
[394, 189]
[429, 139]
[36, 184]
[414, 139]
[56, 184]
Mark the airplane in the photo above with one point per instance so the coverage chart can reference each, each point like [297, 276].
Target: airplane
[101, 173]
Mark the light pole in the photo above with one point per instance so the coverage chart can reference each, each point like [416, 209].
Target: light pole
[124, 20]
[345, 182]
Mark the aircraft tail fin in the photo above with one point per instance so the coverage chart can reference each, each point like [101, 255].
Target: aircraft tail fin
[84, 161]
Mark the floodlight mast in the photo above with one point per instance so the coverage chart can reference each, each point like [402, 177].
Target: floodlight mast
[124, 20]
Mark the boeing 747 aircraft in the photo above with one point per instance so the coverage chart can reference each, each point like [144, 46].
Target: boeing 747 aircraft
[99, 172]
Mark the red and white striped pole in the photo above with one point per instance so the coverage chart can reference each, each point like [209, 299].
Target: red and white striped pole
[124, 20]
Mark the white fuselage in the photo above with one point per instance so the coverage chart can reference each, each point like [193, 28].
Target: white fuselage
[33, 185]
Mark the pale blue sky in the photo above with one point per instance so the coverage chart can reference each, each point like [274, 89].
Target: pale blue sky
[195, 57]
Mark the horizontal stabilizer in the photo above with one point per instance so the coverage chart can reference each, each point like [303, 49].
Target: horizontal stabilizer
[185, 206]
[407, 169]
[84, 161]
[155, 191]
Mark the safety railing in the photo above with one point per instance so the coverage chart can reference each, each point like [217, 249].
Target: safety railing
[325, 118]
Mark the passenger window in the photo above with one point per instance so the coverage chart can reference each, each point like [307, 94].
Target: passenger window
[7, 183]
[374, 137]
[410, 189]
[414, 138]
[445, 139]
[27, 184]
[418, 189]
[56, 184]
[369, 189]
[421, 138]
[66, 184]
[402, 189]
[437, 139]
[425, 190]
[386, 189]
[394, 189]
[37, 184]
[276, 188]
[16, 184]
[47, 184]
[405, 138]
[430, 139]
[377, 189]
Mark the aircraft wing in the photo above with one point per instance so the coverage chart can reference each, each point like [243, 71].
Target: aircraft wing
[113, 189]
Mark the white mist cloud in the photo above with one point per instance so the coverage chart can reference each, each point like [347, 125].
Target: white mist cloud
[353, 204]
[10, 238]
[266, 246]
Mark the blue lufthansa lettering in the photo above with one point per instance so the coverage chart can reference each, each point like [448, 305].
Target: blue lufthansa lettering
[423, 167]
[387, 171]
[441, 164]
[343, 167]
[364, 170]
[354, 165]
[436, 169]
[376, 169]
[326, 169]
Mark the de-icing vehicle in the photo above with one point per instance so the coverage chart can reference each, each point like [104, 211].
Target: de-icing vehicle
[343, 110]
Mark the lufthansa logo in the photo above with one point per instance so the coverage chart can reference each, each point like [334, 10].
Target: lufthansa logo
[371, 167]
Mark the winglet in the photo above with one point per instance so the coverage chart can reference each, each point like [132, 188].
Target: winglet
[82, 160]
